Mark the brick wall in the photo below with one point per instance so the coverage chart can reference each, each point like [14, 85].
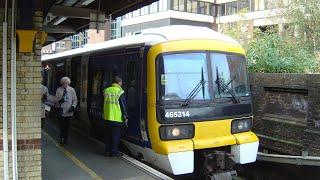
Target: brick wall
[28, 108]
[287, 112]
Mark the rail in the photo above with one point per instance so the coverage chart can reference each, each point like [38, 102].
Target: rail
[288, 159]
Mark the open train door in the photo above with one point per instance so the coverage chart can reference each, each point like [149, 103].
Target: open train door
[79, 79]
[134, 89]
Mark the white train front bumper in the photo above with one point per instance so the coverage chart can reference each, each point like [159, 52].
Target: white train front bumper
[181, 162]
[245, 153]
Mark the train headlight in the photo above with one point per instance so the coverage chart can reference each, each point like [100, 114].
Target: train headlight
[177, 132]
[241, 125]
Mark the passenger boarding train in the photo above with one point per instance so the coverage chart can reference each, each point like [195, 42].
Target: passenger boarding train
[187, 96]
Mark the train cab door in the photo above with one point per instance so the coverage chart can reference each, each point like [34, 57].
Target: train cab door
[133, 96]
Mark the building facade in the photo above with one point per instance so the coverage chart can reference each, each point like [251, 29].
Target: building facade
[78, 40]
[57, 47]
[215, 14]
[257, 13]
[169, 12]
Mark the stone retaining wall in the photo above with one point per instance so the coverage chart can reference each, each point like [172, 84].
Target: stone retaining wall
[287, 112]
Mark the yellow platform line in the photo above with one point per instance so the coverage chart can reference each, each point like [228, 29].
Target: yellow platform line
[73, 158]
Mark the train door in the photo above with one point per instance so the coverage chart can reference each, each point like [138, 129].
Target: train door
[95, 98]
[133, 97]
[59, 71]
[102, 69]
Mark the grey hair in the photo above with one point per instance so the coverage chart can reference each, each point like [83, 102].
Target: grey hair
[65, 79]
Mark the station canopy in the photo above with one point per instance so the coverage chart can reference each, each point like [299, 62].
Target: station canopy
[65, 17]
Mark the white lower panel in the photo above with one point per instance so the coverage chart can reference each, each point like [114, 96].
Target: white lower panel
[181, 162]
[245, 153]
[174, 163]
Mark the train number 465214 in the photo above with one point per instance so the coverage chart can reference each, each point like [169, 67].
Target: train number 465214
[177, 114]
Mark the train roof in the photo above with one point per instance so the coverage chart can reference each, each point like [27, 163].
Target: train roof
[150, 37]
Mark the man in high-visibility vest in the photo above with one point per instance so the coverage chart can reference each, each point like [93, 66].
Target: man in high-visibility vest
[115, 115]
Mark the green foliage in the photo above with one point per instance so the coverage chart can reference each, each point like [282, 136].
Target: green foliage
[272, 53]
[292, 52]
[304, 20]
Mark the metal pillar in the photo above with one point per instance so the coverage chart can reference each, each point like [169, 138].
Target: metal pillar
[4, 95]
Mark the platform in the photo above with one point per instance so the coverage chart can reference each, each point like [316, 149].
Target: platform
[82, 159]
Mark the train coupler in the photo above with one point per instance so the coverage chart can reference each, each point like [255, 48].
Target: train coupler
[226, 175]
[219, 165]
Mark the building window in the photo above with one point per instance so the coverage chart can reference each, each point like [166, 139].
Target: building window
[165, 5]
[244, 5]
[63, 45]
[222, 9]
[271, 4]
[235, 7]
[116, 28]
[204, 8]
[192, 6]
[145, 10]
[154, 7]
[136, 13]
[232, 8]
[252, 5]
[161, 5]
[178, 5]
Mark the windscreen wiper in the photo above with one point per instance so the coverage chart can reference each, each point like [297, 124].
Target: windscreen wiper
[222, 87]
[196, 90]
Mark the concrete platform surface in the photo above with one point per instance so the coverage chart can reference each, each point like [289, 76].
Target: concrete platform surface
[82, 159]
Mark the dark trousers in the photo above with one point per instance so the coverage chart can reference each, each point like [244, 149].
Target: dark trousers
[64, 127]
[112, 136]
[42, 122]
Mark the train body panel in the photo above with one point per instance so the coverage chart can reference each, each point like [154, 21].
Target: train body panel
[187, 94]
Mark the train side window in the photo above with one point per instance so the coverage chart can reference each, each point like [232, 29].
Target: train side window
[96, 84]
[59, 71]
[75, 75]
[84, 84]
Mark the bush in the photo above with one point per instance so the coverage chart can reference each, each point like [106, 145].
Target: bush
[272, 53]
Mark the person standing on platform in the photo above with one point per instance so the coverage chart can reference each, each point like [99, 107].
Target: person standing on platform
[67, 99]
[44, 97]
[115, 115]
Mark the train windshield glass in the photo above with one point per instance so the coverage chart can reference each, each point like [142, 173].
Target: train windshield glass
[181, 73]
[229, 74]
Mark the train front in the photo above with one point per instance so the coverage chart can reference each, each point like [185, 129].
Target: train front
[199, 106]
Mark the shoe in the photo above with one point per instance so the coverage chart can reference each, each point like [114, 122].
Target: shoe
[107, 154]
[61, 142]
[119, 154]
[65, 141]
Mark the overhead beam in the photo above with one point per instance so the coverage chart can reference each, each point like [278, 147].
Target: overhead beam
[53, 29]
[51, 39]
[83, 3]
[72, 12]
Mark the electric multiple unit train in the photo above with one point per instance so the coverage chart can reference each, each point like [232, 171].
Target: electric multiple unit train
[187, 96]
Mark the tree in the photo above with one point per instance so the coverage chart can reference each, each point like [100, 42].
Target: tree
[303, 15]
[273, 53]
[270, 52]
[242, 30]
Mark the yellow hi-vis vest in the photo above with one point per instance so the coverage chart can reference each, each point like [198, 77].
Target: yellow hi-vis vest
[111, 106]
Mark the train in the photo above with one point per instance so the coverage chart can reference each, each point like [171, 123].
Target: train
[187, 95]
